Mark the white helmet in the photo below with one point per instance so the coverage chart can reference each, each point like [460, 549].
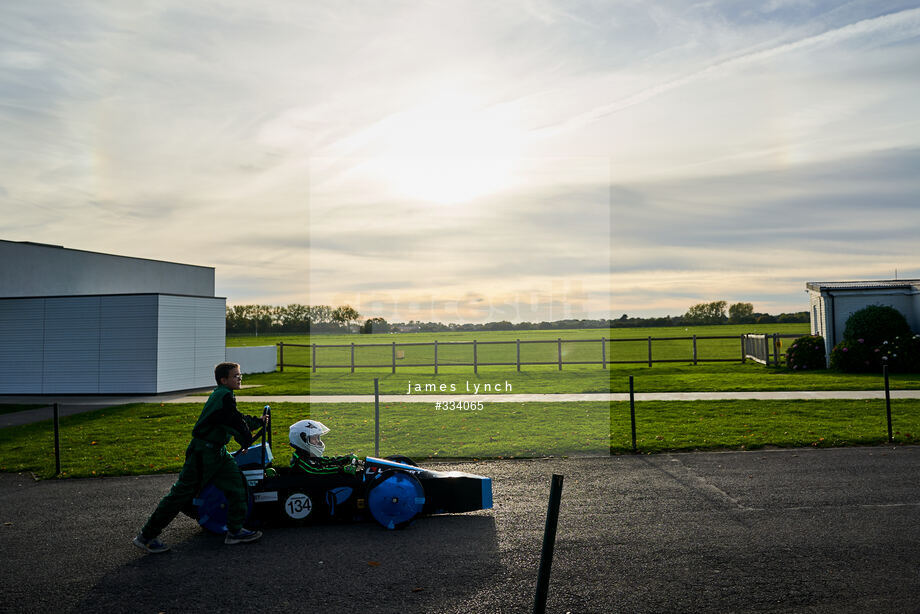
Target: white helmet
[307, 435]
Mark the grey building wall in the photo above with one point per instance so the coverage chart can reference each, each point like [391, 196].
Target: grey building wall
[32, 269]
[191, 339]
[148, 343]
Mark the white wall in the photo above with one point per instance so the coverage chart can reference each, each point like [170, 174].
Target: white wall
[258, 359]
[191, 341]
[35, 270]
[846, 304]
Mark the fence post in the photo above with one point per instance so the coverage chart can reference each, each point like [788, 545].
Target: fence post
[475, 359]
[376, 418]
[57, 442]
[313, 361]
[650, 351]
[435, 356]
[887, 402]
[394, 357]
[559, 352]
[743, 349]
[281, 354]
[632, 412]
[352, 356]
[518, 342]
[694, 350]
[603, 353]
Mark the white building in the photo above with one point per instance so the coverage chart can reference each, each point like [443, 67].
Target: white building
[833, 302]
[78, 322]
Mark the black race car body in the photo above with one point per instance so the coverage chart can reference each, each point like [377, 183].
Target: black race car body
[391, 492]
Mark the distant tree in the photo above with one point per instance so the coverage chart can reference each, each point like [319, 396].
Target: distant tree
[344, 315]
[741, 313]
[706, 313]
[375, 325]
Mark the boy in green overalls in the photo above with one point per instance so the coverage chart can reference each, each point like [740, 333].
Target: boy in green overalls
[207, 461]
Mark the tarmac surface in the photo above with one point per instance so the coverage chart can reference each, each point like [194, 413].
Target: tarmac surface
[830, 530]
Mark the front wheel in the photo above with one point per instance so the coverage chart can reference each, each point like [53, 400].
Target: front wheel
[395, 498]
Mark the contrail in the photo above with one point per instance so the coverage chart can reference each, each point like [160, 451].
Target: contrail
[901, 25]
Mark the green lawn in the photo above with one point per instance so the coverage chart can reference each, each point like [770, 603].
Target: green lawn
[151, 438]
[671, 377]
[598, 346]
[680, 376]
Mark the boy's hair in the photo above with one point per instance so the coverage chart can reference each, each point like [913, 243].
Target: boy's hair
[223, 370]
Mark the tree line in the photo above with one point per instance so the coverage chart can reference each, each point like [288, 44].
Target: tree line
[297, 318]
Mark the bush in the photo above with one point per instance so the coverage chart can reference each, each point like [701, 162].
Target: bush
[806, 353]
[875, 324]
[875, 336]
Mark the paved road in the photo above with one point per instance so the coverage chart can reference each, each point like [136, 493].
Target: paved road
[78, 404]
[833, 530]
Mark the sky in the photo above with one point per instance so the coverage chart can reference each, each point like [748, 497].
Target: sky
[472, 161]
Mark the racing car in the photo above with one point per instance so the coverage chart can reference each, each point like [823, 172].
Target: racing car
[314, 489]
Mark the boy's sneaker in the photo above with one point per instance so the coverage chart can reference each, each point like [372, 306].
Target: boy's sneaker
[153, 545]
[242, 536]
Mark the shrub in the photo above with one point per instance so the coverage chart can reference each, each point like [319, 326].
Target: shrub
[806, 353]
[876, 336]
[855, 357]
[875, 324]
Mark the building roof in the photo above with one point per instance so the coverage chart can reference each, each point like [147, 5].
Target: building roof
[878, 284]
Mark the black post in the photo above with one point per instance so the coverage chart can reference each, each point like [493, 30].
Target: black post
[376, 417]
[266, 432]
[549, 543]
[57, 442]
[281, 354]
[887, 402]
[475, 358]
[632, 412]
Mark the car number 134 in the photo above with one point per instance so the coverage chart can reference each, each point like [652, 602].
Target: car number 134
[298, 506]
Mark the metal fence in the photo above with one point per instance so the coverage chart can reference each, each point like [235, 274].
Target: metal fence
[518, 353]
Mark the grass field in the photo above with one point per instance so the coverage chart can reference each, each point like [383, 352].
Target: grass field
[148, 438]
[501, 347]
[660, 377]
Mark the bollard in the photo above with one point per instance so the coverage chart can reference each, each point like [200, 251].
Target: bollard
[549, 542]
[376, 417]
[57, 442]
[888, 403]
[632, 412]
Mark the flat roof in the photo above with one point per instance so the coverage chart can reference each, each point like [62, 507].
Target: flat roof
[86, 251]
[878, 284]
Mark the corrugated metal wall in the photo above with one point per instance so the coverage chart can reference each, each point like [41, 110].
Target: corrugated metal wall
[109, 344]
[191, 340]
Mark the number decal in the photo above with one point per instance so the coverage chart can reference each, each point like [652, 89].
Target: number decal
[298, 506]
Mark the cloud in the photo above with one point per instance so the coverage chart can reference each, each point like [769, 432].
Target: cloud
[455, 155]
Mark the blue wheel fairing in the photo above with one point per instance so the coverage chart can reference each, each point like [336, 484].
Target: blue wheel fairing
[395, 498]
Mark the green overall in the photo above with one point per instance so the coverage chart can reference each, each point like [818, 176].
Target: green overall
[207, 461]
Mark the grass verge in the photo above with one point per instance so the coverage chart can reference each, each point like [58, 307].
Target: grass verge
[716, 377]
[151, 438]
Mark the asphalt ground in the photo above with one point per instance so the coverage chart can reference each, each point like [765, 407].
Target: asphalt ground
[830, 530]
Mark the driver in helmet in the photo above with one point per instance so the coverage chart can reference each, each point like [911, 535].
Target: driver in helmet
[306, 438]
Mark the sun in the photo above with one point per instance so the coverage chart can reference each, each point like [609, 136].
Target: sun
[448, 151]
